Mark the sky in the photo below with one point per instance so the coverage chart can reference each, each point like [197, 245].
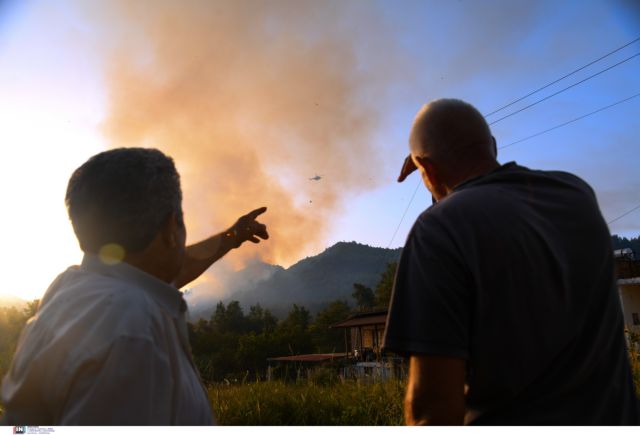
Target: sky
[252, 99]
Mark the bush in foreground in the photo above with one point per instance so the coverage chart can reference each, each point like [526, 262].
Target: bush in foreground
[277, 403]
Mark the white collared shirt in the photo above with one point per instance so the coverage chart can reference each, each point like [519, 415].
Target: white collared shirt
[108, 345]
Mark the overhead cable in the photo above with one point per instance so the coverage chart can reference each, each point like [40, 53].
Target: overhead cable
[565, 89]
[405, 213]
[571, 121]
[561, 78]
[624, 214]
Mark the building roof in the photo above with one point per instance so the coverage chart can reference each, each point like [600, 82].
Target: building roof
[314, 357]
[628, 281]
[363, 319]
[624, 253]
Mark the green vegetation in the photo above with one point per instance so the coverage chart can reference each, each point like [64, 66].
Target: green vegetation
[307, 403]
[367, 299]
[234, 345]
[634, 357]
[12, 321]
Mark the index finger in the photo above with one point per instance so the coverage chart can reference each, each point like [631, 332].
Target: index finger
[257, 212]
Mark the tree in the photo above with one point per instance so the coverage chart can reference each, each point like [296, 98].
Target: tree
[32, 308]
[269, 322]
[260, 320]
[229, 319]
[384, 287]
[622, 242]
[325, 338]
[363, 295]
[292, 334]
[298, 319]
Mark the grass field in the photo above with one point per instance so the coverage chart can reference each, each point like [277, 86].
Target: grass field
[346, 403]
[276, 403]
[323, 401]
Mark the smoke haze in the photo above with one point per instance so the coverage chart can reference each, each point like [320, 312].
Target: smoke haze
[251, 99]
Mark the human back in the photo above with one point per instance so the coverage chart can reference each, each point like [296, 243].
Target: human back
[109, 343]
[546, 339]
[506, 287]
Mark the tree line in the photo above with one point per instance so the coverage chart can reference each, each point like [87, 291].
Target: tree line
[233, 344]
[623, 242]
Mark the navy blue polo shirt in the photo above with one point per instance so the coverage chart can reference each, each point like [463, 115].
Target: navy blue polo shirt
[514, 272]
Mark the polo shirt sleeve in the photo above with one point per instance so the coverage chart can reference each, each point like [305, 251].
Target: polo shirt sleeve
[431, 300]
[129, 385]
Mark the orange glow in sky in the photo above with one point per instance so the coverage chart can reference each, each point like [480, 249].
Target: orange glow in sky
[296, 78]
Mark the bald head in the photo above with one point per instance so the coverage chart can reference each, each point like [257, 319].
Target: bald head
[450, 142]
[451, 133]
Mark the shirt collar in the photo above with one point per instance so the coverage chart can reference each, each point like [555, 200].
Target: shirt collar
[470, 181]
[166, 295]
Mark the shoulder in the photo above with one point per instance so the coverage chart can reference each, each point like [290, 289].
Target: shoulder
[99, 304]
[511, 184]
[533, 177]
[570, 179]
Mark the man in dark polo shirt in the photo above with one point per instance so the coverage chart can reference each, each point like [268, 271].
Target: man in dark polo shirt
[505, 298]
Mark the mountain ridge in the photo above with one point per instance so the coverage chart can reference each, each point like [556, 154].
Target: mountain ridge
[312, 282]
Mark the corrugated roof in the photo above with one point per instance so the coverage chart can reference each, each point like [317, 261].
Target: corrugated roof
[629, 281]
[373, 319]
[314, 357]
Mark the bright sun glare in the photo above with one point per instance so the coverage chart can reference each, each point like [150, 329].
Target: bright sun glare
[50, 114]
[38, 239]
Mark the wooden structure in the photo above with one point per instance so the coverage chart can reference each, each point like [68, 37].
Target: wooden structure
[363, 335]
[628, 274]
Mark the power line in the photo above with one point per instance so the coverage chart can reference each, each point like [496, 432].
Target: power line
[624, 214]
[549, 129]
[385, 255]
[404, 214]
[519, 141]
[565, 89]
[562, 78]
[571, 121]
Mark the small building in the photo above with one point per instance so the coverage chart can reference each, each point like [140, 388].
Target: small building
[363, 335]
[628, 274]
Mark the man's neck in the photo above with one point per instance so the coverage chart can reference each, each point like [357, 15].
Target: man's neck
[477, 170]
[150, 267]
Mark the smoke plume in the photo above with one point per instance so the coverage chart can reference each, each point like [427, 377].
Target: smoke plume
[251, 99]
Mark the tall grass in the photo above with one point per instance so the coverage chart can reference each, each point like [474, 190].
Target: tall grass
[348, 403]
[634, 357]
[305, 403]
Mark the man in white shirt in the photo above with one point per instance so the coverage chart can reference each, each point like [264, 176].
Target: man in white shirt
[109, 342]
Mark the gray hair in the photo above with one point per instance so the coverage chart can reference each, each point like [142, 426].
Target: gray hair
[444, 128]
[123, 196]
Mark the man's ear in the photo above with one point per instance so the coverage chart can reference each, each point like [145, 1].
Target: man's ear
[495, 146]
[429, 170]
[169, 231]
